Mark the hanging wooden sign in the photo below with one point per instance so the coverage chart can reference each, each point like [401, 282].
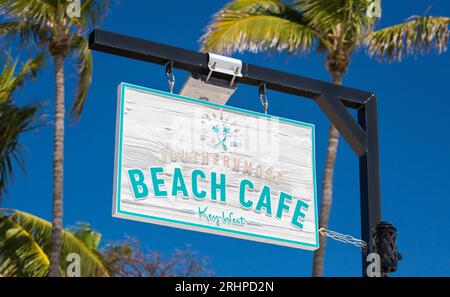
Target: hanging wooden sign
[201, 166]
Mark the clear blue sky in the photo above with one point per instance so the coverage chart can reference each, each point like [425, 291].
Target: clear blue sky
[414, 142]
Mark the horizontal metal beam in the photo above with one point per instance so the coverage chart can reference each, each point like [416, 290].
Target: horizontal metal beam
[147, 51]
[196, 62]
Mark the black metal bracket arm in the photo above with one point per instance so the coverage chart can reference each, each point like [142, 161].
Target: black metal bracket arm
[344, 122]
[360, 134]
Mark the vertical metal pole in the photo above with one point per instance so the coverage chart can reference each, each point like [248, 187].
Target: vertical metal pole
[369, 174]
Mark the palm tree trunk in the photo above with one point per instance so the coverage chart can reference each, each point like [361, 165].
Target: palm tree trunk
[327, 193]
[58, 154]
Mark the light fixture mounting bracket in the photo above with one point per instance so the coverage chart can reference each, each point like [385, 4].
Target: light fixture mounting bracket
[225, 65]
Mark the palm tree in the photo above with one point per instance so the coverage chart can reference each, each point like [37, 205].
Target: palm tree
[61, 35]
[335, 28]
[25, 246]
[14, 120]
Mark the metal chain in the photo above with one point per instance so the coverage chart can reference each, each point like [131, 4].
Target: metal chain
[345, 238]
[263, 97]
[170, 76]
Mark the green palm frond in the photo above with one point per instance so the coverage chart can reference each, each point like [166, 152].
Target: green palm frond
[273, 7]
[85, 65]
[40, 12]
[346, 19]
[20, 255]
[14, 120]
[88, 236]
[27, 32]
[419, 35]
[10, 81]
[30, 69]
[258, 26]
[327, 14]
[91, 262]
[24, 236]
[92, 12]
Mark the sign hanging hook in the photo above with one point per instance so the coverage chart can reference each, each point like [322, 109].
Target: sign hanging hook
[170, 76]
[263, 97]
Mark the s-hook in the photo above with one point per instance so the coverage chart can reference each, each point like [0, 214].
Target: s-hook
[263, 97]
[170, 76]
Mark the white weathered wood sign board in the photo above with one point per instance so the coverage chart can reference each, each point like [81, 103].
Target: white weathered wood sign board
[196, 165]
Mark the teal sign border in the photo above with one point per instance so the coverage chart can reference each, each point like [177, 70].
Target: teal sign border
[118, 170]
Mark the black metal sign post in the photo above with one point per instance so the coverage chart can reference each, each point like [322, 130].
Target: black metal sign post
[361, 135]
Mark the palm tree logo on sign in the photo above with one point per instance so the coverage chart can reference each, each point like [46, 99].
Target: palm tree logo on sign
[218, 131]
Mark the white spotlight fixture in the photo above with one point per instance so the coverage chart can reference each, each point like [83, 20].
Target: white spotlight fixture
[210, 88]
